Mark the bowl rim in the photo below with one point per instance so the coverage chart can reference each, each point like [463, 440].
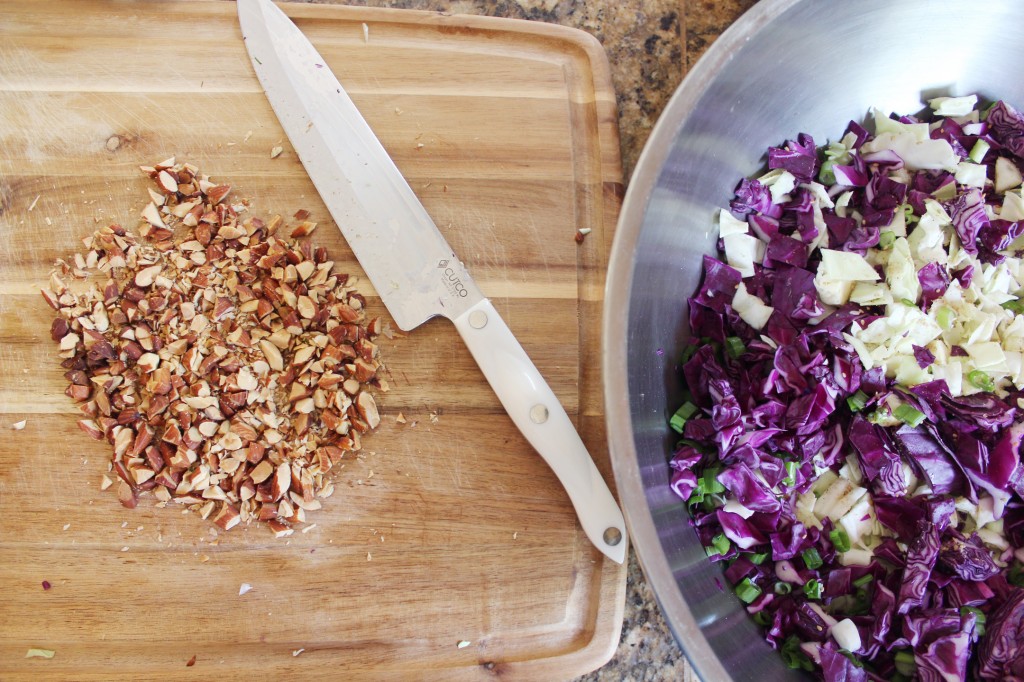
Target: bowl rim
[618, 289]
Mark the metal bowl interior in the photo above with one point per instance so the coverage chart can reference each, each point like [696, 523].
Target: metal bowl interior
[787, 66]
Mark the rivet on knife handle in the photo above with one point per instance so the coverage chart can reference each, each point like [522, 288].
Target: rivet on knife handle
[537, 413]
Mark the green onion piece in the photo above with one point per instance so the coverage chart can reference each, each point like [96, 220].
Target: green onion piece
[811, 558]
[982, 380]
[793, 656]
[907, 301]
[945, 317]
[826, 176]
[748, 591]
[909, 216]
[1016, 306]
[905, 664]
[812, 588]
[840, 539]
[1015, 576]
[688, 352]
[791, 468]
[678, 420]
[886, 239]
[734, 347]
[709, 480]
[908, 414]
[758, 558]
[979, 618]
[761, 618]
[857, 401]
[863, 580]
[979, 150]
[783, 588]
[719, 546]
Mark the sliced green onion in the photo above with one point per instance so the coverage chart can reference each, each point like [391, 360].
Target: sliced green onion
[907, 301]
[734, 347]
[826, 176]
[886, 239]
[1015, 576]
[762, 618]
[979, 150]
[945, 317]
[979, 618]
[678, 420]
[688, 352]
[811, 558]
[793, 656]
[857, 401]
[709, 481]
[719, 546]
[758, 558]
[982, 380]
[1016, 306]
[840, 539]
[909, 217]
[783, 588]
[905, 663]
[791, 468]
[812, 588]
[864, 580]
[908, 414]
[748, 591]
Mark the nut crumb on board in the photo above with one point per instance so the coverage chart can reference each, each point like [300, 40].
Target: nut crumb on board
[228, 369]
[19, 426]
[245, 587]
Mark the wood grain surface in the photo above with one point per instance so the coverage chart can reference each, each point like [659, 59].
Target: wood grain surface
[448, 529]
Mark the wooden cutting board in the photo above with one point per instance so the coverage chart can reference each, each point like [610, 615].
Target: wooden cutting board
[449, 550]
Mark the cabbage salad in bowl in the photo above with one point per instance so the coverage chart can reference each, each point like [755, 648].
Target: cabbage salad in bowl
[849, 441]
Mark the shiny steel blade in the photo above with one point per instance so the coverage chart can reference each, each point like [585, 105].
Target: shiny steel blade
[414, 270]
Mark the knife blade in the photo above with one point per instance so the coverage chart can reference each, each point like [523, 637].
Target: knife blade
[405, 256]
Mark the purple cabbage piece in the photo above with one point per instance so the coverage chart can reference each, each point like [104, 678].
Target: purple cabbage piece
[753, 197]
[883, 611]
[741, 533]
[932, 458]
[850, 176]
[983, 411]
[964, 276]
[969, 218]
[1007, 127]
[922, 553]
[945, 658]
[786, 543]
[1001, 653]
[838, 668]
[901, 515]
[798, 157]
[794, 294]
[878, 458]
[924, 357]
[783, 249]
[720, 284]
[934, 281]
[967, 558]
[740, 480]
[839, 229]
[808, 413]
[999, 234]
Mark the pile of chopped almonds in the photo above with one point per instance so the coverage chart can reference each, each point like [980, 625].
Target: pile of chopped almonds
[226, 366]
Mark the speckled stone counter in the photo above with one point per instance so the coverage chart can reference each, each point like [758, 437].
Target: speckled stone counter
[650, 45]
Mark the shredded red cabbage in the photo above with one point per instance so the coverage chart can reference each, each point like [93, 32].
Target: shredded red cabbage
[770, 410]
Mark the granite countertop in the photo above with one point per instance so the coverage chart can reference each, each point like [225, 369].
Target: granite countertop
[650, 45]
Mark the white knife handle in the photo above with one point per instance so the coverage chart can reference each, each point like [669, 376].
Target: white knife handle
[536, 411]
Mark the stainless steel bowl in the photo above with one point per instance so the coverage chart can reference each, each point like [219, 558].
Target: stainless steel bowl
[787, 66]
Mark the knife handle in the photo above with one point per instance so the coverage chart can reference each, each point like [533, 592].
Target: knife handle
[537, 413]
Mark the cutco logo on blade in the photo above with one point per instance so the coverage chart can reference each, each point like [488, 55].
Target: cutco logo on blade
[451, 280]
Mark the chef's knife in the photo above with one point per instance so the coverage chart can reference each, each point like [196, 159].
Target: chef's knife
[414, 270]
